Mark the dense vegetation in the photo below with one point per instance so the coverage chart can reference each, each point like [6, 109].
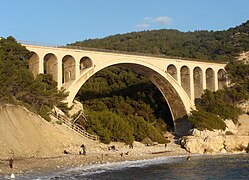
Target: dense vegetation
[119, 93]
[117, 99]
[205, 45]
[18, 85]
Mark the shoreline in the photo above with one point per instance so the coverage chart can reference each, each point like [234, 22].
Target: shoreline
[55, 164]
[27, 165]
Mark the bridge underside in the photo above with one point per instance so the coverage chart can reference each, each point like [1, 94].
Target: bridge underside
[177, 108]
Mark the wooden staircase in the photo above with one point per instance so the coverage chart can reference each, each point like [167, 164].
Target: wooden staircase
[76, 127]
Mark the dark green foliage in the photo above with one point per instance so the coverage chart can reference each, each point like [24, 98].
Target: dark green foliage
[129, 97]
[219, 103]
[142, 129]
[136, 95]
[112, 127]
[17, 84]
[239, 75]
[109, 126]
[204, 45]
[205, 120]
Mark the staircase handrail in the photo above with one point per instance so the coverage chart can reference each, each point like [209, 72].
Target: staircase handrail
[78, 128]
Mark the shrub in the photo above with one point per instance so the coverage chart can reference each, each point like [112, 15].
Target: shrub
[109, 126]
[205, 120]
[219, 103]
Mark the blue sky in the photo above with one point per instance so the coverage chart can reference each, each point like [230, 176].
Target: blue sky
[60, 22]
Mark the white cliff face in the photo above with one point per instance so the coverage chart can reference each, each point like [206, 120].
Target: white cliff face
[211, 142]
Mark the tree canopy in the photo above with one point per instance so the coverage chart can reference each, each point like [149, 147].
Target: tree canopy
[203, 45]
[18, 85]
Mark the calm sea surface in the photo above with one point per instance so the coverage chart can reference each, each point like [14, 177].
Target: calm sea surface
[199, 167]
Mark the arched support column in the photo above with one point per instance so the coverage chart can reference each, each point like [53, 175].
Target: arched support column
[192, 89]
[216, 81]
[178, 75]
[59, 74]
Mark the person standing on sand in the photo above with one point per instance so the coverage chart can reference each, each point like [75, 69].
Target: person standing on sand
[83, 150]
[11, 162]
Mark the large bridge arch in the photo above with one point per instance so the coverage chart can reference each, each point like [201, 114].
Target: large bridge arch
[178, 101]
[185, 79]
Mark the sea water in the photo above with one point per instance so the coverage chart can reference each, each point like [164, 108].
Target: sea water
[198, 167]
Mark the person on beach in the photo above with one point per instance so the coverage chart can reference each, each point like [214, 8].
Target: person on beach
[83, 149]
[247, 149]
[121, 154]
[66, 152]
[188, 158]
[11, 162]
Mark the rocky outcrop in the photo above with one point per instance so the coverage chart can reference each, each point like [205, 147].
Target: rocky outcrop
[211, 142]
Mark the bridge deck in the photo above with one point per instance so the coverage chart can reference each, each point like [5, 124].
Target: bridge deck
[119, 52]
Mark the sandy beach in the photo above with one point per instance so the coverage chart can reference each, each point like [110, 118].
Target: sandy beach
[139, 152]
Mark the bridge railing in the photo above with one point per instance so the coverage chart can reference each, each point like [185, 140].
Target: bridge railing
[115, 51]
[76, 127]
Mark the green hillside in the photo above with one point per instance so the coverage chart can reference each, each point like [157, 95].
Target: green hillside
[203, 45]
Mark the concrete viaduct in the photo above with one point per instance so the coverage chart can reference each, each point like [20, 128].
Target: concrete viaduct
[180, 81]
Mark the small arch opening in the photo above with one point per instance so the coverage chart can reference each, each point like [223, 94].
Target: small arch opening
[50, 63]
[198, 82]
[185, 79]
[85, 63]
[222, 78]
[210, 79]
[34, 63]
[171, 69]
[68, 69]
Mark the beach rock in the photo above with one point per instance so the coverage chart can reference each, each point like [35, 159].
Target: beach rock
[211, 142]
[236, 143]
[203, 144]
[231, 127]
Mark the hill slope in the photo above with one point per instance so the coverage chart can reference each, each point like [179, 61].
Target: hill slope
[208, 45]
[24, 134]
